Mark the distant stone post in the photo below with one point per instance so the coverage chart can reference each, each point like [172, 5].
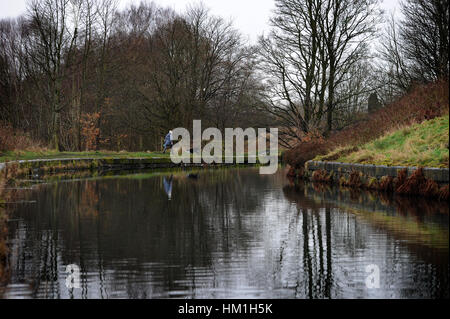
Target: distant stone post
[373, 104]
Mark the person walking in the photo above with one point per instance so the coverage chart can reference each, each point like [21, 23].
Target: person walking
[168, 141]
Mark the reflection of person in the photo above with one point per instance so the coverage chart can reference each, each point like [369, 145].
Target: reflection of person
[168, 186]
[168, 141]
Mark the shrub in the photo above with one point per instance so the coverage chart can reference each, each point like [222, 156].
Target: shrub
[304, 152]
[386, 183]
[89, 130]
[418, 184]
[444, 193]
[413, 184]
[11, 139]
[321, 176]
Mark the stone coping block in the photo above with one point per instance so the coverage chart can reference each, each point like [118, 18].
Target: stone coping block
[439, 175]
[104, 162]
[36, 164]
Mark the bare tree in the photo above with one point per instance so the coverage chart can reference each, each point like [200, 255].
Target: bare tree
[80, 73]
[346, 27]
[50, 47]
[415, 48]
[291, 57]
[424, 37]
[84, 15]
[106, 12]
[313, 46]
[398, 75]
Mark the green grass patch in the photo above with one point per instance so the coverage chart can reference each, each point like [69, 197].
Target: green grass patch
[424, 144]
[50, 154]
[30, 155]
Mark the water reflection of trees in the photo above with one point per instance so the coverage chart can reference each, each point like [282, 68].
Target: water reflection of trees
[91, 223]
[315, 241]
[230, 230]
[388, 218]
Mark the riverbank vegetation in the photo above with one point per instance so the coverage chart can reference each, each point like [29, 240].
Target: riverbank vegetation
[424, 102]
[424, 144]
[413, 184]
[52, 154]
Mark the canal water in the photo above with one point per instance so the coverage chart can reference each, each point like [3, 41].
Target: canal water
[228, 233]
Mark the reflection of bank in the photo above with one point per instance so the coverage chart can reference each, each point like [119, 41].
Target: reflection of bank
[168, 186]
[339, 225]
[416, 223]
[3, 249]
[413, 219]
[3, 239]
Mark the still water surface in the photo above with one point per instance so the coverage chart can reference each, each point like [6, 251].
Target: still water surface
[231, 233]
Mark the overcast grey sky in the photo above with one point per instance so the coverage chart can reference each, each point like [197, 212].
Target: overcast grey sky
[250, 16]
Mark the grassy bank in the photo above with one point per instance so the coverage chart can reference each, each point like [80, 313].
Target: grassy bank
[424, 144]
[51, 154]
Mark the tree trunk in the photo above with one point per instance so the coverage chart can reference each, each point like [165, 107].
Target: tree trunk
[330, 107]
[56, 130]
